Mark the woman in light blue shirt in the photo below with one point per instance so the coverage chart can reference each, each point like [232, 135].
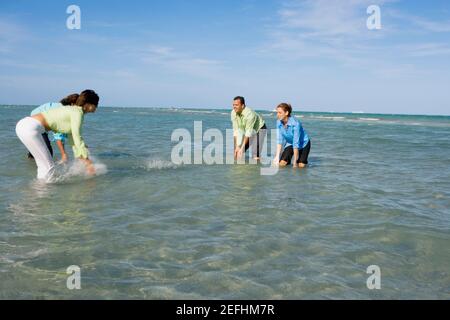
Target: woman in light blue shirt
[293, 143]
[59, 138]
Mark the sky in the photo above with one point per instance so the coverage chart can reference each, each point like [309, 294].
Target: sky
[317, 55]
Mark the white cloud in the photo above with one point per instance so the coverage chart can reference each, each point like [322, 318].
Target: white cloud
[433, 26]
[327, 19]
[10, 34]
[336, 30]
[322, 18]
[179, 62]
[424, 24]
[427, 49]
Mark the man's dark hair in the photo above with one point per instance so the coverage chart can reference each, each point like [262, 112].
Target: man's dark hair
[241, 99]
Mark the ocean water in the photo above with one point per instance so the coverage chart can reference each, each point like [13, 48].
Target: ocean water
[377, 192]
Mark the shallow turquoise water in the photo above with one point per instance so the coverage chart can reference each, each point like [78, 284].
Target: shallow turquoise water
[377, 193]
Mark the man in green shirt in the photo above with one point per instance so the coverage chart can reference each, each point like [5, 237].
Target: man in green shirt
[249, 129]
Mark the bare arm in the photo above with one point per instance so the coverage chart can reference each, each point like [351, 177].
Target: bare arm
[294, 159]
[276, 160]
[241, 149]
[61, 150]
[244, 143]
[235, 150]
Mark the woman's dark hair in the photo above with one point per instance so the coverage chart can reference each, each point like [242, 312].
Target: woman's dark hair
[241, 99]
[286, 108]
[87, 96]
[70, 99]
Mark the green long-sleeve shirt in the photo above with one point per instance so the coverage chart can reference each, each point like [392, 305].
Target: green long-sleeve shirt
[246, 124]
[68, 120]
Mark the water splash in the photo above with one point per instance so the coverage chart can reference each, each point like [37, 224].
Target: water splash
[77, 169]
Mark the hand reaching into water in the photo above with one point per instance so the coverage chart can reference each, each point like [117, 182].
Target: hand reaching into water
[90, 169]
[64, 158]
[238, 152]
[276, 161]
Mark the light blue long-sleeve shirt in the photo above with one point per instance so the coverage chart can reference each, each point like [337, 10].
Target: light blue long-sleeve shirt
[292, 135]
[45, 107]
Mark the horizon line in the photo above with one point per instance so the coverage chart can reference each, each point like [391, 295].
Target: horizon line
[221, 108]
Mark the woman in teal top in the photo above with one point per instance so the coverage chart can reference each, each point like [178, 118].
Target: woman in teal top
[59, 138]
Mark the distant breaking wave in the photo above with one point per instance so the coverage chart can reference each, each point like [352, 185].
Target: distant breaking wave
[329, 118]
[369, 119]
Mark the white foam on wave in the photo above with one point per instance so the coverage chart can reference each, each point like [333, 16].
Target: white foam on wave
[329, 118]
[181, 110]
[369, 119]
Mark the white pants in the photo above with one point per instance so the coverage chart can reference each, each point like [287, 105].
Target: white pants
[29, 131]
